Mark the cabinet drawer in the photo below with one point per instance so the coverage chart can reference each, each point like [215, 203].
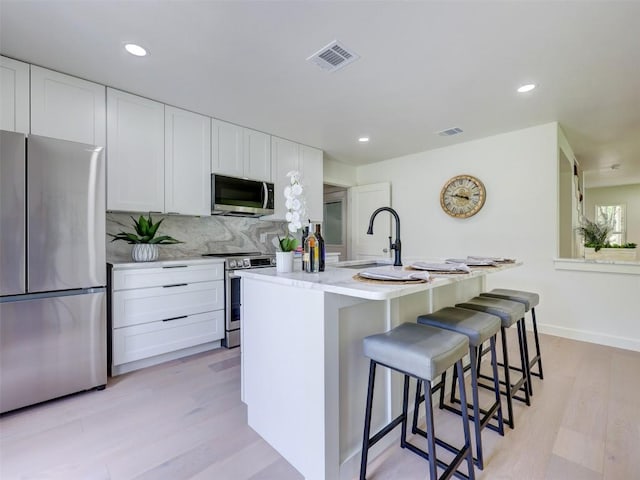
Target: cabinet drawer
[148, 340]
[170, 275]
[144, 305]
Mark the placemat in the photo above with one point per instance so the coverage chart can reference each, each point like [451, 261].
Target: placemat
[387, 282]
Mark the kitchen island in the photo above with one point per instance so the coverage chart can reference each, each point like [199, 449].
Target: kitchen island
[304, 376]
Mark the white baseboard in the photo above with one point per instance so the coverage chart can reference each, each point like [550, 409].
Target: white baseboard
[591, 337]
[166, 357]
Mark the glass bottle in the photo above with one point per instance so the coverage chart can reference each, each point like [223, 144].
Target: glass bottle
[321, 252]
[311, 254]
[305, 234]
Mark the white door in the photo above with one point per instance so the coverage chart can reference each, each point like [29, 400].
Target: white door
[363, 201]
[335, 222]
[67, 107]
[187, 151]
[135, 153]
[14, 95]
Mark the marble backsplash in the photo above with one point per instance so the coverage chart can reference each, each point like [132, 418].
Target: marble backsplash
[214, 234]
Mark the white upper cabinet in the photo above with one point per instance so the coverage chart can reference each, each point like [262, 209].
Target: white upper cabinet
[257, 155]
[226, 149]
[14, 95]
[284, 158]
[240, 152]
[66, 107]
[287, 156]
[311, 167]
[135, 153]
[187, 153]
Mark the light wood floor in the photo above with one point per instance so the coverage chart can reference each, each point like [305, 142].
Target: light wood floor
[185, 420]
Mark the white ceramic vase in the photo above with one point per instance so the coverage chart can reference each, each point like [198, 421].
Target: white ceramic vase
[284, 262]
[144, 252]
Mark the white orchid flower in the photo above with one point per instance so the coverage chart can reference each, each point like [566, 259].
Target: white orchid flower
[295, 202]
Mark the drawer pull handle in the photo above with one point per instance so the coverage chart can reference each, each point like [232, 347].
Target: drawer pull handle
[176, 285]
[176, 266]
[174, 318]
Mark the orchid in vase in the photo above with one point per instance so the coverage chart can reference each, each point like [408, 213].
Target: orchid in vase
[295, 204]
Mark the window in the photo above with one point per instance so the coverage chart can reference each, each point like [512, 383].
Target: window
[613, 215]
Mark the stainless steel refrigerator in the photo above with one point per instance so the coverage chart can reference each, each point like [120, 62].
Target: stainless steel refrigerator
[52, 269]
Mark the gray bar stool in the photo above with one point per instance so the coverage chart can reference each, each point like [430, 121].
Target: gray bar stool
[530, 301]
[423, 353]
[478, 327]
[509, 313]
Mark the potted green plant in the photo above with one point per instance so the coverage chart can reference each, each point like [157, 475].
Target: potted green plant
[597, 246]
[596, 235]
[144, 240]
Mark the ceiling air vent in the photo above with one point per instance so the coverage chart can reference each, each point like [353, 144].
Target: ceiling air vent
[450, 131]
[333, 57]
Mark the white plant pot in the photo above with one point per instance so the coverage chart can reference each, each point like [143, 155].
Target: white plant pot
[144, 252]
[621, 254]
[284, 262]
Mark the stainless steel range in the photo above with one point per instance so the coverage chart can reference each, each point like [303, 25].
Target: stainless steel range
[232, 288]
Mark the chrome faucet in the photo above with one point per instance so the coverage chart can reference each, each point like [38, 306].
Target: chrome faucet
[397, 246]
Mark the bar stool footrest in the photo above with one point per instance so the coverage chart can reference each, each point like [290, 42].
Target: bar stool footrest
[451, 468]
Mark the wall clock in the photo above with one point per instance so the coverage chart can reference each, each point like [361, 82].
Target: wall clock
[462, 196]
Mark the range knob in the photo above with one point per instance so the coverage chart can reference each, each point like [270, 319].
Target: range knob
[246, 262]
[232, 264]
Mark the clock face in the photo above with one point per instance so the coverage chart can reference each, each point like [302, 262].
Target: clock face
[462, 196]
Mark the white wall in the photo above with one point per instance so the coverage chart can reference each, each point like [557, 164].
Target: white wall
[519, 219]
[628, 195]
[336, 173]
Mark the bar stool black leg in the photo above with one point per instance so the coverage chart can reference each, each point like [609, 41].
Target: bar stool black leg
[431, 438]
[476, 409]
[507, 377]
[526, 365]
[416, 404]
[496, 383]
[465, 420]
[452, 396]
[367, 421]
[535, 334]
[524, 360]
[405, 401]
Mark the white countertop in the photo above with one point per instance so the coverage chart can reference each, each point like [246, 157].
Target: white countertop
[340, 280]
[129, 265]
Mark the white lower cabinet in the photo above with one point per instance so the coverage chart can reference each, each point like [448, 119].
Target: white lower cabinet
[151, 339]
[164, 311]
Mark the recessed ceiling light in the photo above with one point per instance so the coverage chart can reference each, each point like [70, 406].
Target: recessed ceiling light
[134, 49]
[526, 88]
[363, 139]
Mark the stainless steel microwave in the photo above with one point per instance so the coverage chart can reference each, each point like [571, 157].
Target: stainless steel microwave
[241, 197]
